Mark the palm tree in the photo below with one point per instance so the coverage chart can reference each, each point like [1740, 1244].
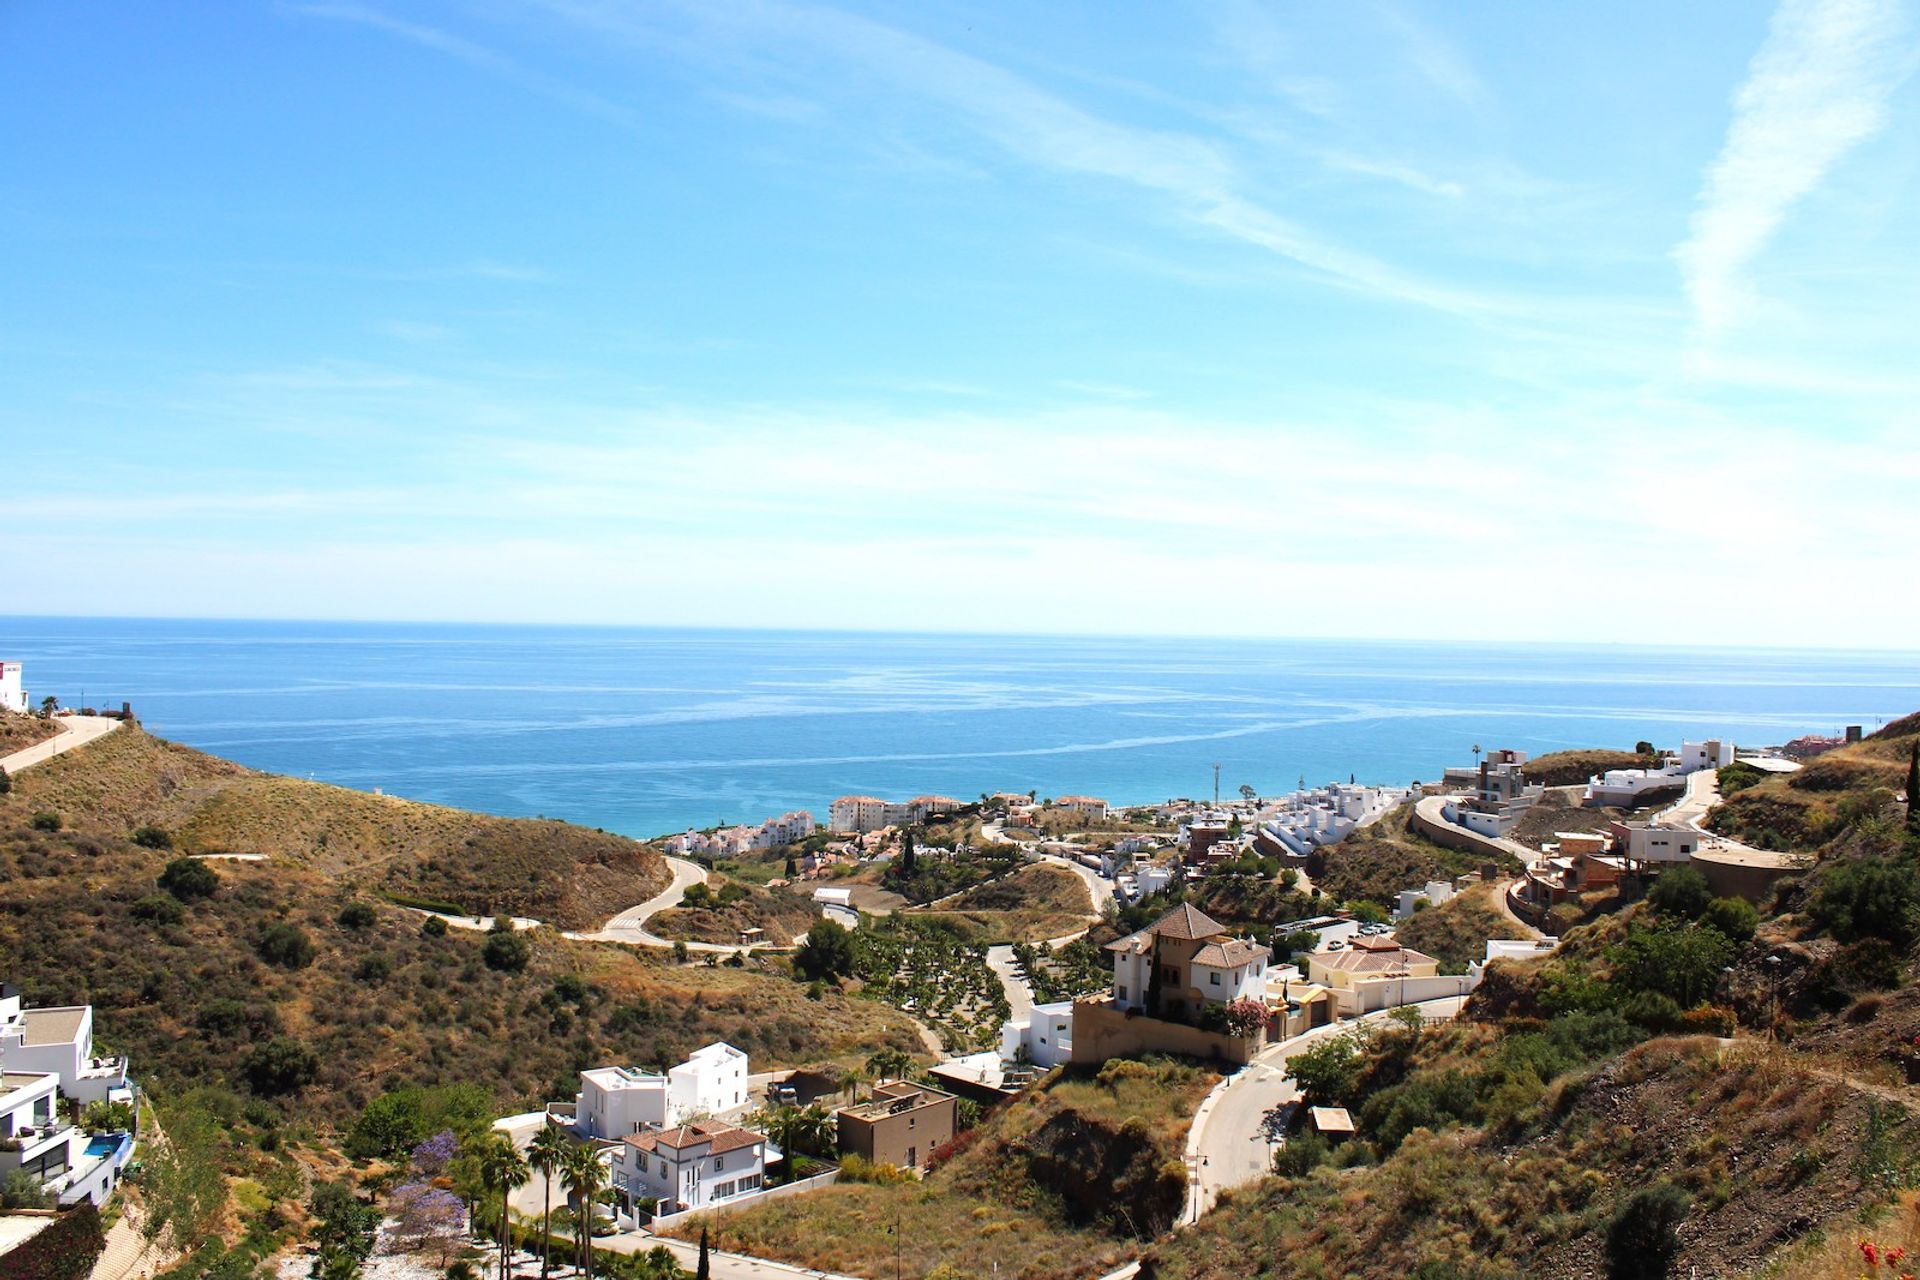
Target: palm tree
[585, 1178]
[813, 1129]
[889, 1064]
[782, 1125]
[502, 1168]
[546, 1153]
[849, 1082]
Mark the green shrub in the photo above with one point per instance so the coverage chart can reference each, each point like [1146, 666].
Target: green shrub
[373, 968]
[1681, 892]
[434, 927]
[152, 837]
[506, 951]
[1868, 898]
[357, 915]
[1301, 1154]
[188, 879]
[1684, 964]
[827, 952]
[161, 908]
[281, 1065]
[286, 945]
[1734, 917]
[44, 821]
[1738, 776]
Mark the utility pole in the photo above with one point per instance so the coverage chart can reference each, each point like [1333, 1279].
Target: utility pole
[1216, 786]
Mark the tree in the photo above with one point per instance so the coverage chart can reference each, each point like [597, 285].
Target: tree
[356, 915]
[427, 1219]
[1681, 892]
[345, 1230]
[433, 927]
[890, 1064]
[703, 1269]
[1682, 964]
[21, 1190]
[152, 837]
[1247, 792]
[502, 1168]
[188, 879]
[1644, 1235]
[281, 1065]
[584, 1178]
[1329, 1073]
[827, 952]
[6, 782]
[47, 705]
[907, 854]
[506, 950]
[793, 868]
[547, 1153]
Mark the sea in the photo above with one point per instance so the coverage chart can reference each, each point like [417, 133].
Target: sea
[647, 731]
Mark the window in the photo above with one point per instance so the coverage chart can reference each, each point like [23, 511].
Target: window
[663, 1168]
[1214, 978]
[719, 1163]
[913, 1156]
[1121, 991]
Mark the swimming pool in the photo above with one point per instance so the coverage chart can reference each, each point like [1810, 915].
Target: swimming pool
[104, 1144]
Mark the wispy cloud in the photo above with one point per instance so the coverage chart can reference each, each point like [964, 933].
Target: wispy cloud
[1817, 88]
[1436, 60]
[474, 55]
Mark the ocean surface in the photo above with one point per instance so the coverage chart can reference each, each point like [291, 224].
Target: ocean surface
[647, 731]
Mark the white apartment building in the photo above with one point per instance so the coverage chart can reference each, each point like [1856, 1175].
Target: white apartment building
[13, 697]
[729, 842]
[1305, 820]
[1433, 894]
[616, 1101]
[852, 815]
[785, 829]
[1662, 844]
[1086, 806]
[689, 1166]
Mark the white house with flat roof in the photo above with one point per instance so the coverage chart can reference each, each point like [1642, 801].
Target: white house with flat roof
[13, 697]
[60, 1040]
[616, 1101]
[1044, 1037]
[689, 1166]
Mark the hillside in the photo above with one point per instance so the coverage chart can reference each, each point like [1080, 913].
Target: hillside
[1687, 1087]
[1033, 904]
[1378, 861]
[1058, 1185]
[188, 990]
[17, 731]
[1456, 931]
[561, 874]
[1573, 768]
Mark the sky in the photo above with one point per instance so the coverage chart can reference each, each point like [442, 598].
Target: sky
[1461, 321]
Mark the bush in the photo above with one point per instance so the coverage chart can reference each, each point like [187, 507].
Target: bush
[1684, 964]
[1868, 898]
[286, 945]
[1302, 1153]
[373, 968]
[508, 952]
[1681, 892]
[188, 879]
[395, 1123]
[356, 915]
[1734, 917]
[161, 908]
[1738, 776]
[281, 1065]
[152, 837]
[1644, 1235]
[434, 927]
[44, 821]
[1868, 965]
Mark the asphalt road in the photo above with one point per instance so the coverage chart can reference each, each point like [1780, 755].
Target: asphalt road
[75, 731]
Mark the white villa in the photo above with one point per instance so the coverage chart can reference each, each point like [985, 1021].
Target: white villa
[1622, 788]
[13, 697]
[614, 1102]
[690, 1166]
[1044, 1037]
[47, 1055]
[1433, 894]
[1185, 960]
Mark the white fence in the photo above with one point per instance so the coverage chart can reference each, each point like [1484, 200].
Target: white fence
[815, 1183]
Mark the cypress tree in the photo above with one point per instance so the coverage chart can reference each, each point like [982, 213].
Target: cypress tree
[907, 854]
[704, 1269]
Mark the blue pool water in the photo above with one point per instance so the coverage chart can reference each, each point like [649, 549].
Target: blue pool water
[648, 731]
[105, 1144]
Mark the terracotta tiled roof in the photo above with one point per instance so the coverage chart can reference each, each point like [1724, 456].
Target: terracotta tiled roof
[1372, 959]
[1183, 922]
[1230, 954]
[723, 1137]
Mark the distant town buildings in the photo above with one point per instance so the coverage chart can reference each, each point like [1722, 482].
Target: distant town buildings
[731, 842]
[1303, 821]
[1090, 807]
[858, 814]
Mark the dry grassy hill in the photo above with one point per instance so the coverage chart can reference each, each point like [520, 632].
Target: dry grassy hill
[1805, 810]
[565, 875]
[17, 731]
[1033, 904]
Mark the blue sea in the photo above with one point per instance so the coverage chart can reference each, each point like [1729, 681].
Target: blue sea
[647, 731]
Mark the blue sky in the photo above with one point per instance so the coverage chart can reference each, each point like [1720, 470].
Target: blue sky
[1526, 321]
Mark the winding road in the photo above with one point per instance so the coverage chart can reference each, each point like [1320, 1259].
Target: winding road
[630, 926]
[1228, 1144]
[75, 731]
